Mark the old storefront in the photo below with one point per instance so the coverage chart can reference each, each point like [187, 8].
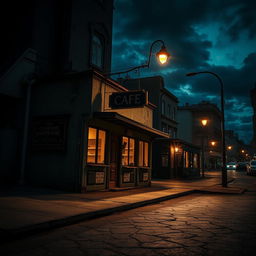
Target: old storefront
[90, 133]
[174, 158]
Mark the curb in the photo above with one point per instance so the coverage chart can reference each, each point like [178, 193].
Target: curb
[9, 235]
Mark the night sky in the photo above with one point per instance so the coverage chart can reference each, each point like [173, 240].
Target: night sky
[200, 35]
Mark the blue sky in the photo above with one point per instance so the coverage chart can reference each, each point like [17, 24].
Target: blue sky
[213, 35]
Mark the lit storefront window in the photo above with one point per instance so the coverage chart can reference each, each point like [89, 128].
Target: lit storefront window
[195, 160]
[128, 151]
[96, 146]
[101, 146]
[186, 159]
[143, 154]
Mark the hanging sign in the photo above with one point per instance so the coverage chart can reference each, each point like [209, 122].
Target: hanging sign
[131, 99]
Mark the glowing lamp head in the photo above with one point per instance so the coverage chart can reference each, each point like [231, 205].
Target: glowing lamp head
[229, 147]
[213, 143]
[242, 151]
[204, 122]
[176, 149]
[163, 55]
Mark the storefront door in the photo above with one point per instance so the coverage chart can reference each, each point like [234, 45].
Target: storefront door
[114, 161]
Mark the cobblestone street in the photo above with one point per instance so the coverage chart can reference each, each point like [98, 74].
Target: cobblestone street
[200, 224]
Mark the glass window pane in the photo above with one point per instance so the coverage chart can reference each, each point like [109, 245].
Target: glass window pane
[97, 51]
[146, 154]
[141, 153]
[91, 152]
[186, 159]
[132, 152]
[124, 151]
[195, 161]
[101, 147]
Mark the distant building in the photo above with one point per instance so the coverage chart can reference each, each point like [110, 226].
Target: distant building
[191, 130]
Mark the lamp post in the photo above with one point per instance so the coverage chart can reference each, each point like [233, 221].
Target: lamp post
[224, 167]
[162, 56]
[204, 123]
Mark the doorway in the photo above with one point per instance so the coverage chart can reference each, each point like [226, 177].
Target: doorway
[114, 161]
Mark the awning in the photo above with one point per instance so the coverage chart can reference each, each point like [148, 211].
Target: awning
[122, 120]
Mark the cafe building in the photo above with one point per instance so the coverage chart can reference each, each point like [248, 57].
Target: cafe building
[87, 132]
[175, 158]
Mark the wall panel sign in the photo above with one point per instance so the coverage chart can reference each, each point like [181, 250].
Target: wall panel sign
[131, 99]
[99, 179]
[145, 176]
[126, 177]
[49, 133]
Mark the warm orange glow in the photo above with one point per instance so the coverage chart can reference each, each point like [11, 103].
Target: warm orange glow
[204, 122]
[162, 58]
[163, 55]
[242, 151]
[176, 149]
[213, 143]
[229, 147]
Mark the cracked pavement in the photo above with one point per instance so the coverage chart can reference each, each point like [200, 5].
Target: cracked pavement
[199, 224]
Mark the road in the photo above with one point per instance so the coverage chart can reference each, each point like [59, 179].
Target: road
[200, 224]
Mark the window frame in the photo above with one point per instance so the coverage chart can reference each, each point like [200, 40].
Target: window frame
[97, 146]
[101, 38]
[144, 154]
[128, 155]
[163, 112]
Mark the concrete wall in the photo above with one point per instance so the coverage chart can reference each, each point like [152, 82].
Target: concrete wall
[70, 97]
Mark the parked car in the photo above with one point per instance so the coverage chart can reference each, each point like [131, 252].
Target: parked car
[231, 166]
[242, 167]
[252, 166]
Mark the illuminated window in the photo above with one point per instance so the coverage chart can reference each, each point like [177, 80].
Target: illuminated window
[143, 154]
[97, 51]
[195, 161]
[96, 146]
[186, 159]
[128, 151]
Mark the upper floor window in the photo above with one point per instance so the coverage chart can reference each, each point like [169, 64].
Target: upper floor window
[169, 112]
[174, 113]
[163, 107]
[97, 51]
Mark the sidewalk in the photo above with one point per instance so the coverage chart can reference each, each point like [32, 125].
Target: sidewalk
[26, 210]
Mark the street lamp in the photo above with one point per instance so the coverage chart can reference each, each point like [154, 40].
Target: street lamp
[162, 57]
[224, 167]
[204, 123]
[213, 143]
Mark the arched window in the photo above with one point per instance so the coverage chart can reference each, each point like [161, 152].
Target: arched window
[97, 51]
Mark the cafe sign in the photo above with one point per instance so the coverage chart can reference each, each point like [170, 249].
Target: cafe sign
[131, 99]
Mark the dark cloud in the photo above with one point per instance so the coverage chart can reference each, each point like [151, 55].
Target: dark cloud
[138, 23]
